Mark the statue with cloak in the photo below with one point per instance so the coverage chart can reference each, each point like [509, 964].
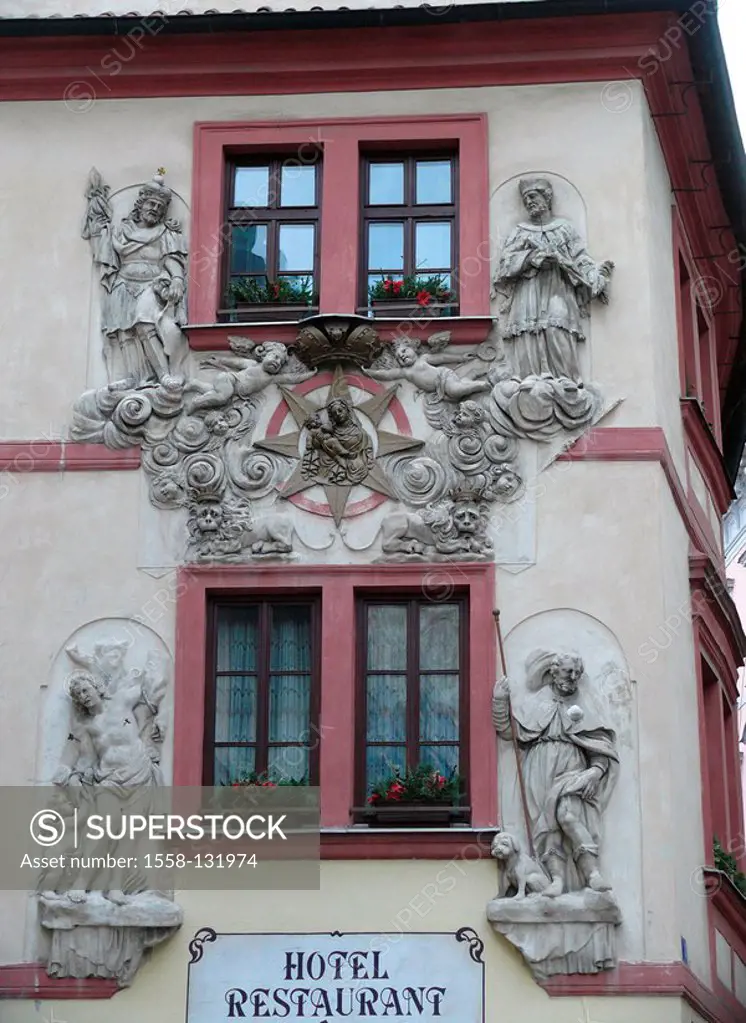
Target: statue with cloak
[569, 763]
[547, 280]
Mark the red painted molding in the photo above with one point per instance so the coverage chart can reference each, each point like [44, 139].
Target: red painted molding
[341, 140]
[728, 902]
[338, 585]
[456, 844]
[671, 979]
[336, 60]
[706, 454]
[465, 330]
[62, 456]
[30, 980]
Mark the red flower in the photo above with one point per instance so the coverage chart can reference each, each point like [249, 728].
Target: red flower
[374, 798]
[388, 284]
[276, 289]
[423, 297]
[439, 781]
[398, 286]
[395, 790]
[236, 784]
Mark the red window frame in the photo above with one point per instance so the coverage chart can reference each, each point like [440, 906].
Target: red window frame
[337, 588]
[342, 141]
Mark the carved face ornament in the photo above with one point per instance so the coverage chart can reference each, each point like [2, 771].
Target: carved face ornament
[339, 411]
[467, 518]
[503, 847]
[153, 210]
[537, 202]
[209, 518]
[405, 355]
[565, 674]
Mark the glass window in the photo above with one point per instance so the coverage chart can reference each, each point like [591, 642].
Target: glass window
[263, 685]
[409, 232]
[272, 258]
[411, 660]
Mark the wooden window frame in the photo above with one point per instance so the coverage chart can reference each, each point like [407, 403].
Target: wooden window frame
[413, 601]
[410, 212]
[274, 215]
[265, 603]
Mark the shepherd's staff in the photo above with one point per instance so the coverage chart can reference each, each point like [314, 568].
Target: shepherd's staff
[519, 766]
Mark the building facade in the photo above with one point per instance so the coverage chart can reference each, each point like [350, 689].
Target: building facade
[350, 328]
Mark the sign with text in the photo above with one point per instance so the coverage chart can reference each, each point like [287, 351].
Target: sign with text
[329, 977]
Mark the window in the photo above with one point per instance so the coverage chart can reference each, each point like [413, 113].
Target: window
[262, 701]
[723, 767]
[409, 230]
[273, 235]
[412, 685]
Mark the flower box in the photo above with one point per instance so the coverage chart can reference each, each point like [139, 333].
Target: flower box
[410, 310]
[245, 312]
[414, 815]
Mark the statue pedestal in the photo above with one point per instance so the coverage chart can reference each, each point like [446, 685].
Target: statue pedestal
[574, 933]
[99, 938]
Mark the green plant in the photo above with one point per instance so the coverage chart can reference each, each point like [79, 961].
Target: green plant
[726, 863]
[421, 784]
[262, 781]
[422, 290]
[257, 291]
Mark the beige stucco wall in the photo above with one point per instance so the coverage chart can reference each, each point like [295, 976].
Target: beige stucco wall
[609, 540]
[367, 896]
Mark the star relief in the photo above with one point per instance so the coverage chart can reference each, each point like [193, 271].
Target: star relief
[337, 455]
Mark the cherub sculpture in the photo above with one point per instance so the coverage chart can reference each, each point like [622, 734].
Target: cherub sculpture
[246, 373]
[428, 370]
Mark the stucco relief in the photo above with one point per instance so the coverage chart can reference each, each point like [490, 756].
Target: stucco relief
[247, 442]
[106, 721]
[141, 262]
[563, 716]
[546, 282]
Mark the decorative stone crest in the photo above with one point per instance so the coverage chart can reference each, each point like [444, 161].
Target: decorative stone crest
[554, 904]
[98, 927]
[332, 339]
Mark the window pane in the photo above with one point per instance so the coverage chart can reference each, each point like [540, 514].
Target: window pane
[288, 763]
[433, 181]
[386, 246]
[381, 761]
[298, 186]
[433, 244]
[237, 639]
[440, 758]
[439, 699]
[233, 764]
[386, 184]
[251, 186]
[296, 246]
[235, 708]
[387, 637]
[439, 637]
[387, 708]
[290, 648]
[289, 707]
[249, 249]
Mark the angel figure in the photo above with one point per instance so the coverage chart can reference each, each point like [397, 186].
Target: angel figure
[428, 370]
[246, 373]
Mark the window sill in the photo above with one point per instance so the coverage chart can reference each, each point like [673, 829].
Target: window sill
[267, 313]
[359, 842]
[213, 337]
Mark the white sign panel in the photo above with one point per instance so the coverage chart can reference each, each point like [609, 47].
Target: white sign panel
[331, 977]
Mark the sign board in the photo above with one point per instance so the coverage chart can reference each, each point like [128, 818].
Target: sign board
[330, 977]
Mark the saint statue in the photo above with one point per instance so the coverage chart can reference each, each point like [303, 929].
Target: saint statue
[338, 449]
[548, 281]
[569, 763]
[142, 265]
